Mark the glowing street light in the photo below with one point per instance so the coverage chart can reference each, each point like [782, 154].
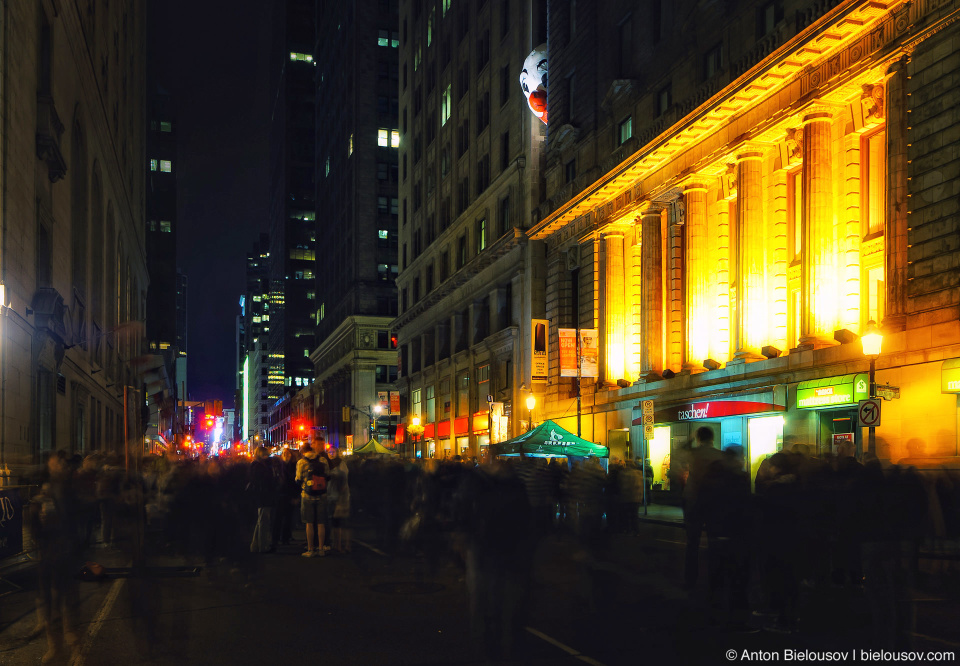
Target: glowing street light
[531, 403]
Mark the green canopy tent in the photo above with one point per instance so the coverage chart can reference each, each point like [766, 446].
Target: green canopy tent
[548, 440]
[373, 446]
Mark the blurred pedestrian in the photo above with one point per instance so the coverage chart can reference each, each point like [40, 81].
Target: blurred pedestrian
[287, 497]
[263, 487]
[699, 460]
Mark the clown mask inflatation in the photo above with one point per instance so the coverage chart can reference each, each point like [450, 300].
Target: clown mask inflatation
[533, 80]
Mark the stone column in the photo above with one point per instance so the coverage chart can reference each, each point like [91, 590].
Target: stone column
[751, 260]
[699, 280]
[675, 295]
[895, 224]
[818, 275]
[651, 361]
[614, 307]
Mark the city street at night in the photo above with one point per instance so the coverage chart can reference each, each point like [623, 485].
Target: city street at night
[479, 332]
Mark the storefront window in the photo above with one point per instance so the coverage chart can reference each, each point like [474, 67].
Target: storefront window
[765, 438]
[659, 454]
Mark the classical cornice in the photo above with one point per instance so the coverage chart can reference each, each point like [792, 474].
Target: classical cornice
[851, 33]
[509, 241]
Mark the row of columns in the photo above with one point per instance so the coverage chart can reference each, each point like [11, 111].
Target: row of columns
[691, 280]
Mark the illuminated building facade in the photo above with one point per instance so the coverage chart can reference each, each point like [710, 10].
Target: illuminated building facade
[730, 216]
[262, 372]
[72, 264]
[358, 138]
[470, 170]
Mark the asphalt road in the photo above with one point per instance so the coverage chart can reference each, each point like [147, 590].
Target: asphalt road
[619, 602]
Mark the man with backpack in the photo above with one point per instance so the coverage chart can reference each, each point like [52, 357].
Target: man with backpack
[313, 471]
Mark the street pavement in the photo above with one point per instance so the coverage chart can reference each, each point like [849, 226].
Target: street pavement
[619, 601]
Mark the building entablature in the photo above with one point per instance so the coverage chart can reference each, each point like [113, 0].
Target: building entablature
[828, 66]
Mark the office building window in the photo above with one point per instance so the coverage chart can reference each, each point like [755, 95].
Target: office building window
[166, 166]
[446, 105]
[626, 130]
[154, 165]
[664, 99]
[165, 226]
[481, 235]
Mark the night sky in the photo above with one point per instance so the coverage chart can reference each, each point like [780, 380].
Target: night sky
[212, 57]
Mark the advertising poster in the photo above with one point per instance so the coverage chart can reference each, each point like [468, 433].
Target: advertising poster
[590, 352]
[538, 357]
[394, 402]
[568, 352]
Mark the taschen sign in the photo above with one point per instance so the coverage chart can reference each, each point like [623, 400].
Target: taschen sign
[717, 408]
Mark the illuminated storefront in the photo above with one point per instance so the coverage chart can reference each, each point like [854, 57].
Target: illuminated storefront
[750, 240]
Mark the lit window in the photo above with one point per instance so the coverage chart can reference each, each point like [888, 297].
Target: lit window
[166, 166]
[395, 139]
[446, 6]
[327, 168]
[394, 39]
[153, 165]
[166, 126]
[306, 352]
[383, 38]
[311, 295]
[350, 145]
[322, 310]
[382, 138]
[446, 104]
[626, 130]
[383, 234]
[301, 57]
[153, 225]
[165, 226]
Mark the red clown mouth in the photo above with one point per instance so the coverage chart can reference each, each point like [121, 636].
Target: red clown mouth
[538, 100]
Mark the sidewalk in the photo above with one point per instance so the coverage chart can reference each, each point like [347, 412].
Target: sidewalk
[663, 514]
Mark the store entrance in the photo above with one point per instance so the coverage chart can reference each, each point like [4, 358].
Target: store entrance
[835, 427]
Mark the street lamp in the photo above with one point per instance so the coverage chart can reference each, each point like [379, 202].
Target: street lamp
[415, 430]
[376, 414]
[531, 403]
[871, 341]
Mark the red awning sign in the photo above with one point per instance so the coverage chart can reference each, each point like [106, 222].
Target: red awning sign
[711, 409]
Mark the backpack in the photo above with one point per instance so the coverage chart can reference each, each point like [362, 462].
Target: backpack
[315, 480]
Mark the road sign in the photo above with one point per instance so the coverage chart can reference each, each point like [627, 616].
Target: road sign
[888, 392]
[648, 419]
[869, 413]
[648, 432]
[647, 406]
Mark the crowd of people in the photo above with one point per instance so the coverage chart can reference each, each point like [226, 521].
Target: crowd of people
[803, 520]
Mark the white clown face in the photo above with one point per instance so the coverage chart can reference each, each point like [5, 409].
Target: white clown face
[533, 80]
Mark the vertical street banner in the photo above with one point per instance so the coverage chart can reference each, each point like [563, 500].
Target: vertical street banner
[383, 400]
[538, 356]
[589, 352]
[394, 402]
[568, 351]
[11, 523]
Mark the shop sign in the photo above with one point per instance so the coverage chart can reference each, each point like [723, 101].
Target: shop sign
[950, 376]
[835, 392]
[538, 349]
[712, 409]
[839, 439]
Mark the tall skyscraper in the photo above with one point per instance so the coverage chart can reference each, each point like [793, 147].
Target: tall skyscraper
[470, 175]
[358, 138]
[292, 211]
[260, 372]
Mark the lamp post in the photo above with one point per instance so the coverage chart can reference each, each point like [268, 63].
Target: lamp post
[531, 403]
[872, 340]
[376, 414]
[415, 430]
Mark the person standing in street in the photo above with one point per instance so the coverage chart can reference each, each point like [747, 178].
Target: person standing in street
[313, 472]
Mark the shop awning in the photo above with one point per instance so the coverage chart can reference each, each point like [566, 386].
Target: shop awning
[548, 440]
[428, 431]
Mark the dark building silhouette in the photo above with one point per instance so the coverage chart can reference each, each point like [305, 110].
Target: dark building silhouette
[290, 308]
[358, 138]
